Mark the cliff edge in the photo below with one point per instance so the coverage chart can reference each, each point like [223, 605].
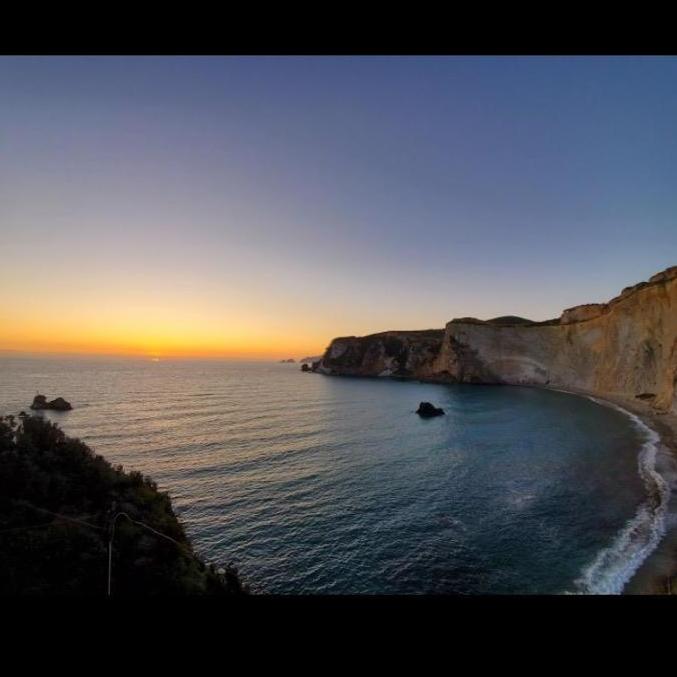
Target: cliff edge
[405, 354]
[626, 347]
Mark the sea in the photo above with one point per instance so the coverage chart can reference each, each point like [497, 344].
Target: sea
[312, 484]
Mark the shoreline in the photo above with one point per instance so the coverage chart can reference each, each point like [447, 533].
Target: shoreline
[657, 574]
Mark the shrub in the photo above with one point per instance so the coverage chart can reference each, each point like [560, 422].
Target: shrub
[57, 501]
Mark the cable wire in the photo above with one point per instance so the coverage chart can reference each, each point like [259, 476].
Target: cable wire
[35, 526]
[59, 515]
[182, 546]
[187, 550]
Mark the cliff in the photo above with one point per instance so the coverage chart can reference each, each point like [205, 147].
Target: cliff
[391, 353]
[626, 347]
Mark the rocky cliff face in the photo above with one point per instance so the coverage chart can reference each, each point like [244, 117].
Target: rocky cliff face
[392, 353]
[626, 347]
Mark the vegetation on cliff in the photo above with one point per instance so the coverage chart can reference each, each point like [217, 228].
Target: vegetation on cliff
[58, 501]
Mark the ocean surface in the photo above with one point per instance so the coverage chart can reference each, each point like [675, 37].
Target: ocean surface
[316, 484]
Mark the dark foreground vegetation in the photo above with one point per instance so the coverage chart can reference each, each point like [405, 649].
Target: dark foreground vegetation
[58, 501]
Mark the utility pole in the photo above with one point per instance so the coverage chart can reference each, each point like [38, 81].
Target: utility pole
[111, 531]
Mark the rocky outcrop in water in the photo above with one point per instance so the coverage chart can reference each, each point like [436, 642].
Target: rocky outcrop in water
[626, 347]
[58, 404]
[427, 410]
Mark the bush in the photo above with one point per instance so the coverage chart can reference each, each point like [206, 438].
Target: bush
[43, 472]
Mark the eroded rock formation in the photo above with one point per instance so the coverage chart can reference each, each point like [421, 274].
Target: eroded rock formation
[626, 347]
[58, 404]
[427, 410]
[390, 353]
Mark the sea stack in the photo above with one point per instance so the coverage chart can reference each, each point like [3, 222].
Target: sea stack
[427, 410]
[58, 404]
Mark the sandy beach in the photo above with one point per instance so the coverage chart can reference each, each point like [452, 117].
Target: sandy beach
[658, 573]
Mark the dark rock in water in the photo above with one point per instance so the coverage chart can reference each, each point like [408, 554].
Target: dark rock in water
[427, 410]
[305, 367]
[59, 404]
[291, 360]
[39, 402]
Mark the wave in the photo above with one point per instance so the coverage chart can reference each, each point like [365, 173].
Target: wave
[615, 565]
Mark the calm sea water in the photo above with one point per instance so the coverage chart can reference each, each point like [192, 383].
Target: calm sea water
[315, 484]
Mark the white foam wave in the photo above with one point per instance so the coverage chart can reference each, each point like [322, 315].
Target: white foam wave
[614, 566]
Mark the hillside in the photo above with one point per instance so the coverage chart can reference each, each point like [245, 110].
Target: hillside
[57, 502]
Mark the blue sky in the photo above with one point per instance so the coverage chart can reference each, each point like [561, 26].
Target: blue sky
[314, 197]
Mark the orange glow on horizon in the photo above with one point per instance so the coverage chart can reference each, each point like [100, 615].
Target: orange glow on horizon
[144, 340]
[167, 315]
[169, 349]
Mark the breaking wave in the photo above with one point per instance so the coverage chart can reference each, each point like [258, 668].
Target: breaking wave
[614, 566]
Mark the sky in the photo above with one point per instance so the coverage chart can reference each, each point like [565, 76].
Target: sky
[257, 207]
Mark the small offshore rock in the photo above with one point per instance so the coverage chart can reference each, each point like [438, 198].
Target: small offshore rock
[58, 404]
[427, 410]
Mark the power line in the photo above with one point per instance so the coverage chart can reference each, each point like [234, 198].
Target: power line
[59, 515]
[182, 546]
[35, 526]
[157, 533]
[187, 550]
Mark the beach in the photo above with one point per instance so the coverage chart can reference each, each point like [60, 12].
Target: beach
[657, 574]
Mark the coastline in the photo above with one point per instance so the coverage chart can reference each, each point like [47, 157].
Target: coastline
[657, 574]
[653, 572]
